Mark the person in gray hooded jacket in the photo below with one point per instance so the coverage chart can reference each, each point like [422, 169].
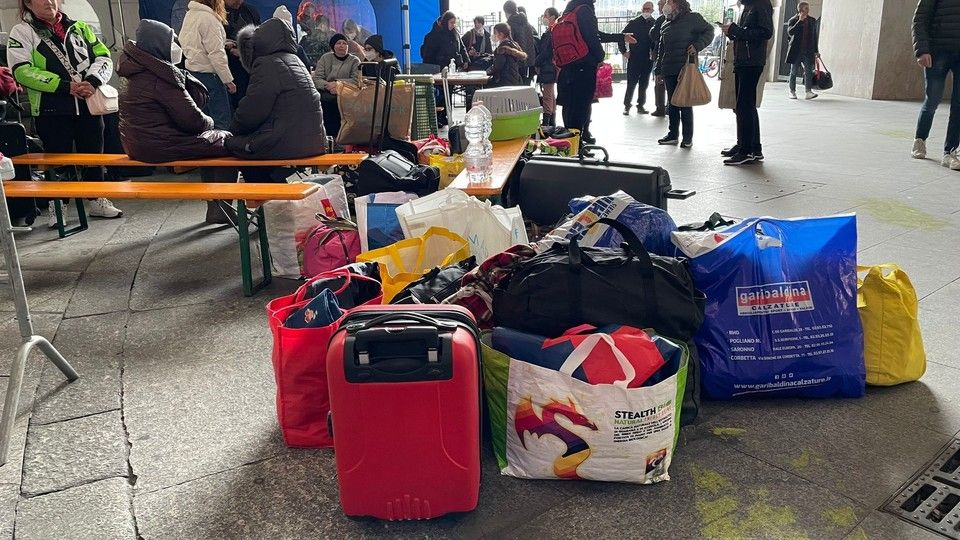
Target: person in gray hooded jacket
[281, 116]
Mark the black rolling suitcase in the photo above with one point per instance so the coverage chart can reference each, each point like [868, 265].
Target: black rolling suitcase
[547, 183]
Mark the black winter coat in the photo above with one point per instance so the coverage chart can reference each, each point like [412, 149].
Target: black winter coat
[508, 59]
[522, 34]
[675, 36]
[440, 45]
[795, 31]
[640, 28]
[936, 26]
[280, 117]
[484, 47]
[546, 69]
[750, 34]
[160, 116]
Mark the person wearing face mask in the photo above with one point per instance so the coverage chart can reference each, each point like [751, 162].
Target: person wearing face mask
[683, 35]
[477, 40]
[546, 69]
[338, 64]
[639, 63]
[61, 63]
[373, 51]
[659, 92]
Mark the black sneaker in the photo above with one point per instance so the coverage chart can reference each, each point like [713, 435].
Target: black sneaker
[756, 156]
[669, 139]
[626, 111]
[739, 159]
[588, 138]
[659, 112]
[686, 144]
[641, 110]
[730, 152]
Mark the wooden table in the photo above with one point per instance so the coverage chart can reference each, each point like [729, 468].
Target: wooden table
[505, 157]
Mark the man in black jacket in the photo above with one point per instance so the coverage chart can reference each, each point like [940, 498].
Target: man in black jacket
[749, 36]
[803, 49]
[659, 90]
[936, 42]
[523, 34]
[639, 64]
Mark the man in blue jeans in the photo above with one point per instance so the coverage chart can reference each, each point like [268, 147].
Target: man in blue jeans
[936, 42]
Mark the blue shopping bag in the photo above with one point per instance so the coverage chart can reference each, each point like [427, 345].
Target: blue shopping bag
[781, 313]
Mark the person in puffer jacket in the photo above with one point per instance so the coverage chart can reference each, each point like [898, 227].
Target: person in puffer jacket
[160, 116]
[509, 60]
[281, 116]
[936, 43]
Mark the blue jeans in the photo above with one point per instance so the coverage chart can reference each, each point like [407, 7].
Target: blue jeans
[218, 100]
[935, 78]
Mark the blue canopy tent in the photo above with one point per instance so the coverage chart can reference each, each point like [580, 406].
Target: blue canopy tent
[419, 16]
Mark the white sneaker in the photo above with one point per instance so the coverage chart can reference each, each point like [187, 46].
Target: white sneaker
[792, 95]
[951, 161]
[52, 215]
[919, 149]
[810, 95]
[103, 208]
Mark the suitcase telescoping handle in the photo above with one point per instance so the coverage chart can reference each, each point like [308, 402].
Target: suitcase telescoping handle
[410, 352]
[585, 152]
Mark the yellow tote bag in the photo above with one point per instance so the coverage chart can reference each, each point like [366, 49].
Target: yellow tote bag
[406, 261]
[893, 345]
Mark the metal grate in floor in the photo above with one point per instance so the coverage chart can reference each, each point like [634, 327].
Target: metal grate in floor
[932, 499]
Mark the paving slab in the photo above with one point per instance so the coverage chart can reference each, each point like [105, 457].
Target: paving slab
[44, 324]
[96, 391]
[142, 220]
[57, 255]
[94, 342]
[930, 266]
[839, 444]
[9, 496]
[932, 402]
[715, 492]
[67, 454]
[47, 291]
[105, 285]
[100, 510]
[164, 280]
[198, 400]
[941, 341]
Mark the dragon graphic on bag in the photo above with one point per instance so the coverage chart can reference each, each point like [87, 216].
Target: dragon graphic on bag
[578, 451]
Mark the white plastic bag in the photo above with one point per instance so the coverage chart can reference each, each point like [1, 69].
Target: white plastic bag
[488, 228]
[287, 223]
[335, 199]
[377, 220]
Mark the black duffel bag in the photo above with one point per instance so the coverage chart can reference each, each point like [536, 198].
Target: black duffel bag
[568, 285]
[435, 285]
[390, 171]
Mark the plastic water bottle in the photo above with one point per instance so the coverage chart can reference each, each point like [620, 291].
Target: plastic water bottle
[478, 159]
[452, 68]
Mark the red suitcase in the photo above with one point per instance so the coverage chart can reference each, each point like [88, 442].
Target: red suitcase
[405, 411]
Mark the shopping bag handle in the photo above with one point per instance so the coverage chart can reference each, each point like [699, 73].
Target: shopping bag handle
[822, 63]
[335, 274]
[580, 354]
[632, 245]
[711, 224]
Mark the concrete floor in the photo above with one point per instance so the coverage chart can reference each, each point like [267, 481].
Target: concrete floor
[171, 433]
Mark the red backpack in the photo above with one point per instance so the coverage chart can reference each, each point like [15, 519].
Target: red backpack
[568, 43]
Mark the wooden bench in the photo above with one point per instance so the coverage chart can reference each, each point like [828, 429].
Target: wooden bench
[121, 160]
[249, 199]
[505, 157]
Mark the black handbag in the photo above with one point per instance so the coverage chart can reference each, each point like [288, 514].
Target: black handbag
[568, 285]
[390, 171]
[436, 285]
[822, 77]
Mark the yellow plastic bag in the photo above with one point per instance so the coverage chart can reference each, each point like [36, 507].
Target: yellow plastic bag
[407, 260]
[893, 345]
[450, 167]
